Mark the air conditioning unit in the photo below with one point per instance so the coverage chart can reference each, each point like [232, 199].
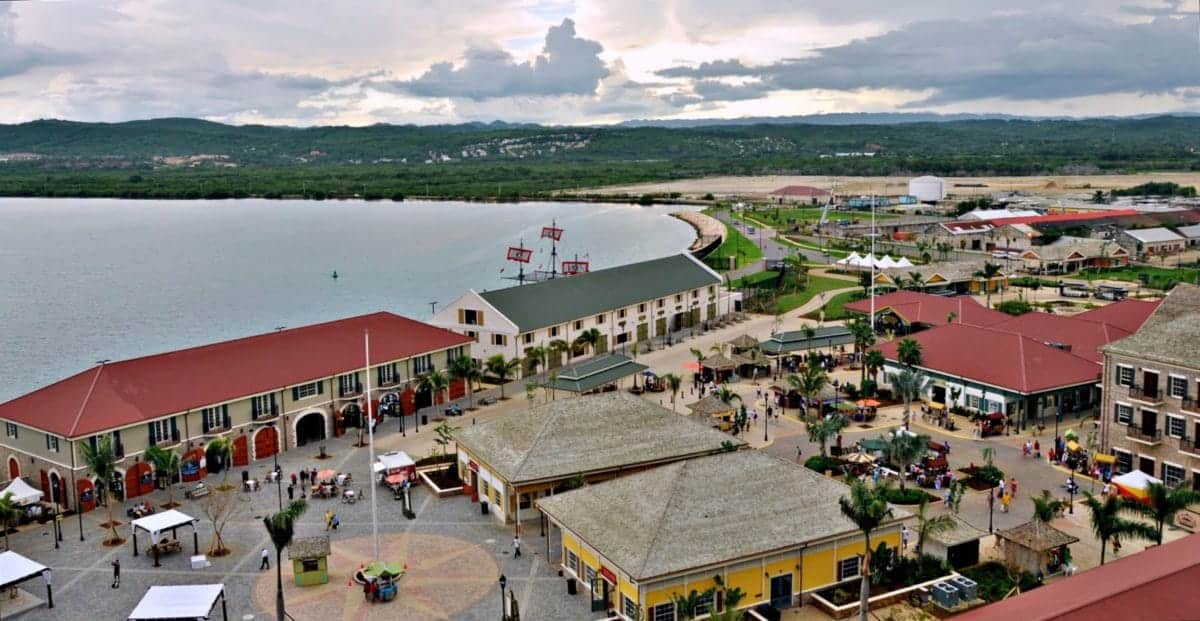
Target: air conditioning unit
[945, 594]
[968, 589]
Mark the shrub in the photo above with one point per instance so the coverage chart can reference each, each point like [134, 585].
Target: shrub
[821, 464]
[994, 581]
[1014, 307]
[906, 496]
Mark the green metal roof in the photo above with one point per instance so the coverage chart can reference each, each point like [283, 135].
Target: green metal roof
[561, 300]
[595, 373]
[787, 342]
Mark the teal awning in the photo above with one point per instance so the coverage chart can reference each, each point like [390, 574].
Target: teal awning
[796, 341]
[595, 373]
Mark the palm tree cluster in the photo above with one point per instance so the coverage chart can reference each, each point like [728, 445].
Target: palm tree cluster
[868, 508]
[1160, 507]
[101, 461]
[501, 368]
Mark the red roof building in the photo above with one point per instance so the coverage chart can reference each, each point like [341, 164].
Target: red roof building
[118, 394]
[931, 310]
[1127, 315]
[1156, 585]
[1061, 218]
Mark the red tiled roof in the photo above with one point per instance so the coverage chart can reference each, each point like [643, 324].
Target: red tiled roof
[800, 190]
[1127, 315]
[130, 391]
[1084, 336]
[1158, 584]
[998, 358]
[914, 307]
[1056, 218]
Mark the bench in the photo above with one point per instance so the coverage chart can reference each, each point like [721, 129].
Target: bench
[199, 491]
[166, 547]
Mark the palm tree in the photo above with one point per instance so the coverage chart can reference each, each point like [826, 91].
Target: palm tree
[868, 509]
[951, 316]
[873, 360]
[909, 385]
[222, 449]
[821, 430]
[864, 337]
[1107, 522]
[466, 368]
[909, 352]
[810, 382]
[1046, 507]
[674, 382]
[101, 463]
[687, 605]
[589, 339]
[864, 281]
[904, 450]
[1162, 504]
[536, 357]
[281, 527]
[929, 525]
[916, 281]
[989, 272]
[501, 367]
[559, 346]
[435, 381]
[727, 396]
[10, 513]
[166, 464]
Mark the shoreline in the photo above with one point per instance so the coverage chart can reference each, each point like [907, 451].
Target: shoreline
[710, 232]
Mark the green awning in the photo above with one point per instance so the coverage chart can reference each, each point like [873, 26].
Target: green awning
[595, 373]
[873, 444]
[384, 570]
[797, 340]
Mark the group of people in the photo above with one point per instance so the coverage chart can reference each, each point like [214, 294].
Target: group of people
[1005, 492]
[309, 485]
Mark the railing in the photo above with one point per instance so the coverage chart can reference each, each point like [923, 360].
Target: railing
[1137, 433]
[1142, 393]
[260, 413]
[1190, 404]
[1190, 445]
[350, 391]
[119, 450]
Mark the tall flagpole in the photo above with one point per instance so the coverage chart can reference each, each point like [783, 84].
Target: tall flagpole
[371, 444]
[873, 261]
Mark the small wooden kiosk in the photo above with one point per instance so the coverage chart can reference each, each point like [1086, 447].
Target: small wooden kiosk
[309, 556]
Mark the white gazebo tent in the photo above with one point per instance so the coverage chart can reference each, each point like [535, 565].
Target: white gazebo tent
[15, 568]
[868, 261]
[853, 259]
[22, 492]
[885, 262]
[155, 525]
[187, 601]
[904, 262]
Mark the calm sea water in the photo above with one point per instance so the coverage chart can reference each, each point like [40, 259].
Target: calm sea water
[84, 280]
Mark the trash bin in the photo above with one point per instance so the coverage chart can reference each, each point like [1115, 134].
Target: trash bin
[424, 419]
[571, 588]
[245, 476]
[483, 507]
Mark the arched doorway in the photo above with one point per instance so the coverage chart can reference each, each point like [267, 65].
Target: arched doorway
[310, 428]
[116, 487]
[241, 452]
[423, 398]
[214, 460]
[389, 405]
[14, 469]
[266, 442]
[352, 416]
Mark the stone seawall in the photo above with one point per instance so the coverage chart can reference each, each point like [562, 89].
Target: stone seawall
[710, 232]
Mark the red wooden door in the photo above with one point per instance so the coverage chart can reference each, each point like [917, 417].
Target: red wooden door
[265, 442]
[45, 486]
[241, 454]
[14, 469]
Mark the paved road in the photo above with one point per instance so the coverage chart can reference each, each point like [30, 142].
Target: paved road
[764, 238]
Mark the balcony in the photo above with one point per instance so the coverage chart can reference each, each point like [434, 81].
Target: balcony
[1190, 404]
[1190, 446]
[258, 414]
[1137, 434]
[350, 391]
[171, 440]
[1146, 394]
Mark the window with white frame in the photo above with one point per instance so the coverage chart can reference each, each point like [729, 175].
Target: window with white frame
[160, 431]
[1172, 474]
[1124, 460]
[589, 576]
[554, 331]
[305, 391]
[973, 402]
[661, 302]
[52, 443]
[599, 318]
[1124, 375]
[1177, 386]
[573, 562]
[663, 612]
[629, 608]
[348, 384]
[10, 430]
[621, 314]
[497, 339]
[424, 364]
[528, 338]
[1176, 426]
[214, 418]
[848, 568]
[706, 603]
[1123, 413]
[642, 307]
[387, 374]
[578, 324]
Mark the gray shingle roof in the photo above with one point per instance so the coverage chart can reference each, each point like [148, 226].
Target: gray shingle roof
[303, 548]
[961, 533]
[596, 372]
[1155, 235]
[1037, 536]
[1170, 334]
[557, 301]
[786, 342]
[701, 512]
[586, 434]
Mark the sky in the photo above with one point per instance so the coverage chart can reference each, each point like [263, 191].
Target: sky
[354, 62]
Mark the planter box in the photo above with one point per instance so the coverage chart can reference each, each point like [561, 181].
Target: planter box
[438, 491]
[876, 601]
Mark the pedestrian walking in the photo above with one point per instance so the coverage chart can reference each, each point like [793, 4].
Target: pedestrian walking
[266, 560]
[293, 478]
[797, 452]
[516, 546]
[335, 522]
[770, 411]
[328, 519]
[904, 533]
[1013, 486]
[1037, 449]
[291, 491]
[116, 565]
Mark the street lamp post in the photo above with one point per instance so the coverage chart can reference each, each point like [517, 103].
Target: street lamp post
[278, 479]
[503, 583]
[1072, 487]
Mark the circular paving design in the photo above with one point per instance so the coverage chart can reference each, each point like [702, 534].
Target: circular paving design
[445, 576]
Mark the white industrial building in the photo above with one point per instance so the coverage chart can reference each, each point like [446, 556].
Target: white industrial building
[927, 189]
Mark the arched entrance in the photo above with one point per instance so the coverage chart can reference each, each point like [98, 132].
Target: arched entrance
[116, 487]
[310, 428]
[139, 480]
[214, 460]
[87, 494]
[266, 442]
[423, 398]
[193, 466]
[241, 452]
[352, 416]
[389, 405]
[14, 469]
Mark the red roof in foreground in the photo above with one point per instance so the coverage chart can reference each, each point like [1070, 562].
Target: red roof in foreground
[1055, 218]
[1158, 584]
[1084, 337]
[914, 307]
[130, 391]
[998, 358]
[1127, 315]
[800, 190]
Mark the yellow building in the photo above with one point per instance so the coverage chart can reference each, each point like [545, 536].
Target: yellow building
[762, 524]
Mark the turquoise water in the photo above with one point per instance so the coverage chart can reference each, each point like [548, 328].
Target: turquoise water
[85, 280]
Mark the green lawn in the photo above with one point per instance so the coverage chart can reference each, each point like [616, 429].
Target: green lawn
[833, 252]
[763, 279]
[816, 285]
[780, 216]
[1159, 277]
[835, 308]
[735, 243]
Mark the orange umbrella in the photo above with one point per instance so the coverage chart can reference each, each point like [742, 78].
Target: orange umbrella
[325, 475]
[867, 403]
[692, 366]
[396, 479]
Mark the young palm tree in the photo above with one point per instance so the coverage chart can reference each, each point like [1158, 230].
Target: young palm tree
[1162, 505]
[559, 346]
[868, 509]
[929, 525]
[467, 369]
[822, 430]
[873, 361]
[222, 449]
[904, 450]
[864, 337]
[1046, 507]
[909, 385]
[698, 355]
[909, 352]
[1107, 522]
[536, 358]
[727, 396]
[435, 382]
[10, 513]
[589, 339]
[864, 281]
[989, 272]
[810, 382]
[101, 463]
[501, 367]
[916, 281]
[674, 382]
[166, 463]
[282, 527]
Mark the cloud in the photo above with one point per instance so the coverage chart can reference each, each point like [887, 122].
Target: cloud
[711, 69]
[568, 64]
[716, 90]
[1016, 57]
[17, 58]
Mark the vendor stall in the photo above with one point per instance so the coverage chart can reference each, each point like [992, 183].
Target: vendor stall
[309, 556]
[1135, 485]
[395, 463]
[157, 525]
[380, 579]
[15, 569]
[1036, 547]
[190, 601]
[23, 493]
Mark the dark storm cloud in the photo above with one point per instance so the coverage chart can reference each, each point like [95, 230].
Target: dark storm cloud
[18, 58]
[713, 69]
[715, 90]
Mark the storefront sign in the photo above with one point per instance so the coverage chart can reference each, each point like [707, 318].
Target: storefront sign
[608, 574]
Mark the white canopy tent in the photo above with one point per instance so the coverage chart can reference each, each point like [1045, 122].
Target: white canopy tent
[904, 262]
[886, 262]
[23, 493]
[868, 260]
[155, 525]
[395, 460]
[15, 568]
[189, 601]
[852, 259]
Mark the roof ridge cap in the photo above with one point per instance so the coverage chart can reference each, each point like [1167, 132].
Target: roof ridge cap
[1021, 353]
[661, 517]
[534, 442]
[86, 398]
